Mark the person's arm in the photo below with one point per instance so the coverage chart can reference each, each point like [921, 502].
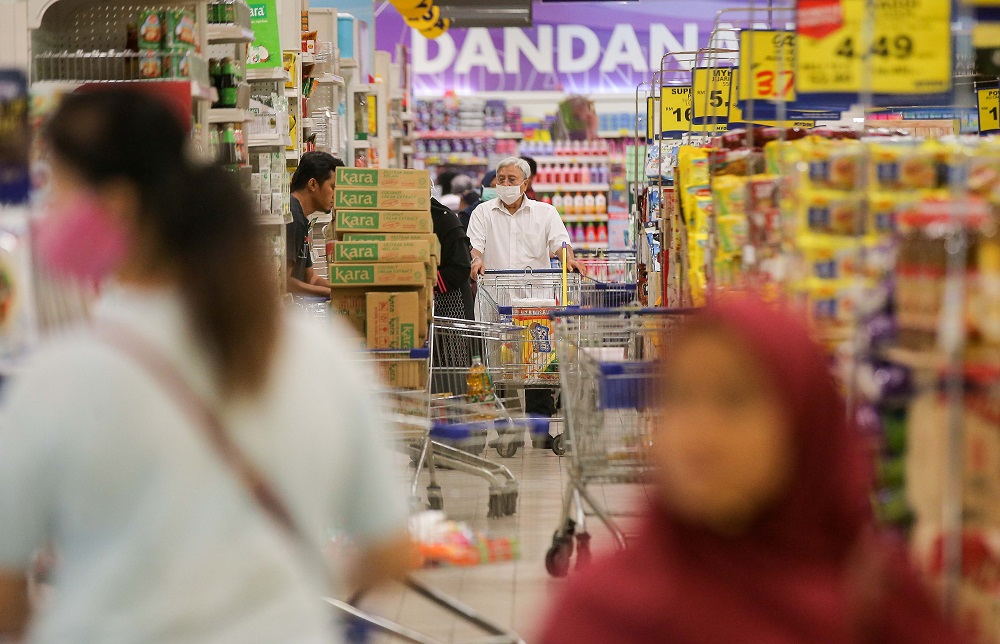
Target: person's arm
[319, 288]
[477, 237]
[558, 236]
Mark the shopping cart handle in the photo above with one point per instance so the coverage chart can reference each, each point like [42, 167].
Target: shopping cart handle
[577, 312]
[527, 271]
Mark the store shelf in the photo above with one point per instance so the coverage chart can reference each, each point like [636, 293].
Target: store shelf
[228, 33]
[291, 93]
[332, 79]
[267, 140]
[616, 134]
[361, 89]
[307, 59]
[406, 117]
[228, 115]
[456, 160]
[270, 220]
[292, 155]
[406, 149]
[576, 159]
[582, 219]
[571, 187]
[486, 134]
[361, 145]
[589, 245]
[267, 74]
[307, 123]
[198, 91]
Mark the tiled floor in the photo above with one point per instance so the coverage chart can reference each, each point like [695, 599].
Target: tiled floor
[513, 595]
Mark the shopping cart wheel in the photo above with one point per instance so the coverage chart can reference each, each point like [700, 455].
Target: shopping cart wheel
[559, 445]
[496, 506]
[582, 550]
[435, 500]
[507, 446]
[510, 503]
[558, 556]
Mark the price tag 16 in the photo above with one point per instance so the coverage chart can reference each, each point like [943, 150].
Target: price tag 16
[711, 94]
[989, 110]
[767, 66]
[675, 110]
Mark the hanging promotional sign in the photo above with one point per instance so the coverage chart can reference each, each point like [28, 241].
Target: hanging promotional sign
[265, 50]
[578, 47]
[711, 94]
[988, 102]
[910, 51]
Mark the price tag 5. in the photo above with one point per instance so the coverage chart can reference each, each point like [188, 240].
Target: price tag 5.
[989, 110]
[711, 93]
[767, 66]
[675, 110]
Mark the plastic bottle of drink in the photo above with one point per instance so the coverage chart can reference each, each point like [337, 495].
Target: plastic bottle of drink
[602, 233]
[578, 235]
[589, 204]
[600, 204]
[579, 204]
[585, 174]
[474, 380]
[558, 203]
[589, 235]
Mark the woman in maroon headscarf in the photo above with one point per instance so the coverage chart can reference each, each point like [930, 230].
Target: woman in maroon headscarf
[762, 530]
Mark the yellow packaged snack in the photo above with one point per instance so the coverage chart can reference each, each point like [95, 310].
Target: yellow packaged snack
[834, 164]
[832, 212]
[898, 166]
[830, 256]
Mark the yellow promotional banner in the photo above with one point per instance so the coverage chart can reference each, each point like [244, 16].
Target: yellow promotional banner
[989, 110]
[412, 8]
[675, 110]
[736, 114]
[711, 93]
[767, 66]
[425, 20]
[910, 53]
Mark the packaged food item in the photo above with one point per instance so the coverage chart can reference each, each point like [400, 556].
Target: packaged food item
[406, 274]
[383, 178]
[377, 199]
[904, 167]
[834, 166]
[381, 251]
[432, 239]
[151, 34]
[538, 351]
[832, 212]
[178, 64]
[150, 64]
[384, 221]
[392, 320]
[830, 257]
[179, 29]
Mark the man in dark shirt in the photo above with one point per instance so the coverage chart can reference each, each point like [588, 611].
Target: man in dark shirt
[312, 191]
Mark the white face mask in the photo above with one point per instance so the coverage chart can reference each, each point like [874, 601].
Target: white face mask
[509, 194]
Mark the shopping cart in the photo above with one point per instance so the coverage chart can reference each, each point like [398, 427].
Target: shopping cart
[435, 429]
[608, 365]
[526, 367]
[610, 280]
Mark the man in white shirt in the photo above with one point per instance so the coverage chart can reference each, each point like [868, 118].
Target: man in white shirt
[513, 232]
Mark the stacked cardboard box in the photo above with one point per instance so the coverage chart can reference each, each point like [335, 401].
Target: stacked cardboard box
[384, 259]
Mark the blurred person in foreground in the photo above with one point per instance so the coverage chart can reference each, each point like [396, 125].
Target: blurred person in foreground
[762, 529]
[167, 451]
[313, 190]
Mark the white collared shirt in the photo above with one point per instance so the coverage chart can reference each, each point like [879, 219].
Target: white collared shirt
[526, 239]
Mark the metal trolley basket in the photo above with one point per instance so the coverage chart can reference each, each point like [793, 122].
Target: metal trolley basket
[608, 365]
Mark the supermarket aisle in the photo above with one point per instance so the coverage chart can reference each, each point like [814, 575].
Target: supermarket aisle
[512, 594]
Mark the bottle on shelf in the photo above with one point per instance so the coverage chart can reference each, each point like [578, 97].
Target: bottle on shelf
[576, 232]
[600, 204]
[475, 381]
[228, 153]
[589, 204]
[558, 204]
[585, 174]
[228, 83]
[589, 235]
[579, 202]
[602, 233]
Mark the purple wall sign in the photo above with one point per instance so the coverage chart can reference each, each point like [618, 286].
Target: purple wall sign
[582, 47]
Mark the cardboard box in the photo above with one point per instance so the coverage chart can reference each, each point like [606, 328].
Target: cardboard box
[403, 373]
[352, 305]
[392, 319]
[376, 199]
[387, 251]
[431, 238]
[354, 221]
[383, 178]
[406, 274]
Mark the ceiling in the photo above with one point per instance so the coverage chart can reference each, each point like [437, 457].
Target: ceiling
[486, 13]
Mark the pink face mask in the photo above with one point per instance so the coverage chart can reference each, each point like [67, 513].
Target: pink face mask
[82, 240]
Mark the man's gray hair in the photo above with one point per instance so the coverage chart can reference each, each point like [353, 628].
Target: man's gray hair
[520, 163]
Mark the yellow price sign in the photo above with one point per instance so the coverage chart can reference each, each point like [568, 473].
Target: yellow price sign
[767, 66]
[989, 110]
[675, 109]
[711, 92]
[736, 114]
[652, 103]
[910, 51]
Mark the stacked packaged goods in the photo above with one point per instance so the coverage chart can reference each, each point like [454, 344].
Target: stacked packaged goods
[384, 258]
